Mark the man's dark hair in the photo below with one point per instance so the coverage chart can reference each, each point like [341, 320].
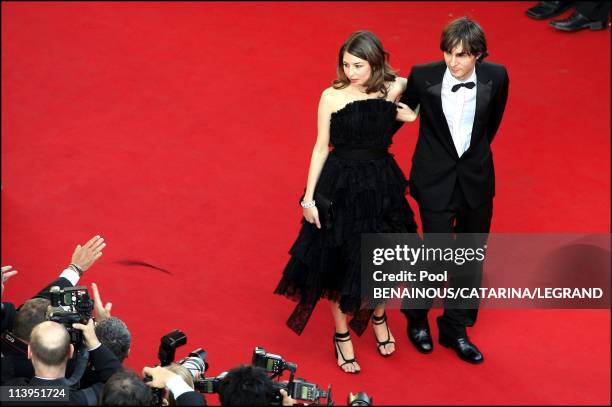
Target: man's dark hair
[114, 333]
[468, 34]
[30, 314]
[246, 386]
[125, 388]
[51, 348]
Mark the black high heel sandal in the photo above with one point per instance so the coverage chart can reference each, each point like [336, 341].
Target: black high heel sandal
[379, 321]
[343, 337]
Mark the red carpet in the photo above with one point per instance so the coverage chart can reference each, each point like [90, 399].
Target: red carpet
[182, 132]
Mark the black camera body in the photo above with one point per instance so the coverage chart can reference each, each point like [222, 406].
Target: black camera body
[360, 399]
[298, 389]
[209, 385]
[274, 365]
[70, 305]
[195, 362]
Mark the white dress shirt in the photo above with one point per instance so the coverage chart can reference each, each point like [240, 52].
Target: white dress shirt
[459, 109]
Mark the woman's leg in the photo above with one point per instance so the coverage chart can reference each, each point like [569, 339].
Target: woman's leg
[345, 347]
[382, 332]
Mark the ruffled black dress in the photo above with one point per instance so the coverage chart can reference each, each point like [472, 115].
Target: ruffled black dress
[368, 196]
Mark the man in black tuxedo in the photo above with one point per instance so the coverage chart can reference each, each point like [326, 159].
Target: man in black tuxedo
[461, 103]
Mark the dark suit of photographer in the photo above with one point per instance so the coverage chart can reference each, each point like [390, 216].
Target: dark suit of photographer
[50, 349]
[14, 344]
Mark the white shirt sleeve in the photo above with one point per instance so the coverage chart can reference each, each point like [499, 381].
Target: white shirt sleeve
[177, 386]
[71, 276]
[95, 347]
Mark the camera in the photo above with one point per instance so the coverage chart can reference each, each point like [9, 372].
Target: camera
[298, 389]
[273, 364]
[359, 399]
[68, 306]
[168, 345]
[209, 385]
[195, 362]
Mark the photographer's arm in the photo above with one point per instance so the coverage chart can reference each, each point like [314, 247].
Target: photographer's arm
[8, 309]
[104, 361]
[7, 273]
[82, 259]
[183, 394]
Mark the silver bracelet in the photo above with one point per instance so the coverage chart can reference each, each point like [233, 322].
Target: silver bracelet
[307, 205]
[76, 268]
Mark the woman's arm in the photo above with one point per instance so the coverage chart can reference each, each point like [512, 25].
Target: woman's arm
[404, 113]
[319, 154]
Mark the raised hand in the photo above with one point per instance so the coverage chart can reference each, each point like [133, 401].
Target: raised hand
[86, 255]
[89, 334]
[102, 311]
[6, 274]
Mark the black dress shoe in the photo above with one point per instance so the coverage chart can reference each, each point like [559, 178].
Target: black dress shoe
[577, 22]
[465, 349]
[548, 9]
[420, 337]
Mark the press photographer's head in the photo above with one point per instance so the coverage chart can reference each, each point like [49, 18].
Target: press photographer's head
[247, 386]
[30, 314]
[114, 333]
[125, 388]
[50, 349]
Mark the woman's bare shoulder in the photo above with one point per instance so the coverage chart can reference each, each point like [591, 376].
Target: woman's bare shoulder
[331, 93]
[332, 97]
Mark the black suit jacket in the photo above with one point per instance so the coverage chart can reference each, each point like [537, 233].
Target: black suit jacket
[15, 363]
[106, 364]
[191, 398]
[436, 166]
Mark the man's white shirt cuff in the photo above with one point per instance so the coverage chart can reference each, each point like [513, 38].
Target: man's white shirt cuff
[177, 386]
[71, 276]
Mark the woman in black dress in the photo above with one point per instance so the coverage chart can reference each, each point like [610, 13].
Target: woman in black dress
[359, 116]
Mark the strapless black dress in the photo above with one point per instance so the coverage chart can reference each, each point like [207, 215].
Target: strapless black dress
[368, 196]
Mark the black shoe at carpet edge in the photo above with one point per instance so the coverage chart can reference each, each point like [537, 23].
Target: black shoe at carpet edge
[548, 9]
[577, 22]
[465, 349]
[420, 336]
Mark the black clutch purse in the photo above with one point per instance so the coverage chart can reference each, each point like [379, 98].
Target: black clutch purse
[325, 207]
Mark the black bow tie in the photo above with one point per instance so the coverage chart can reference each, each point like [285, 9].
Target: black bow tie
[468, 85]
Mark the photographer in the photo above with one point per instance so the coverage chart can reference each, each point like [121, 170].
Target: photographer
[111, 331]
[15, 362]
[50, 349]
[125, 388]
[248, 386]
[162, 378]
[17, 325]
